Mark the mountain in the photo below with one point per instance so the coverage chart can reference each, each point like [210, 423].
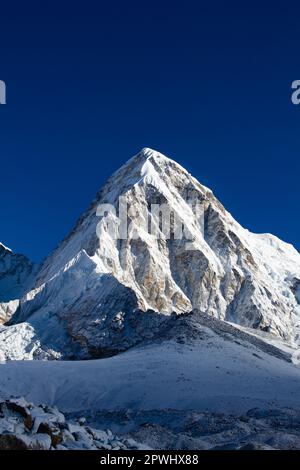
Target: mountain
[98, 294]
[15, 274]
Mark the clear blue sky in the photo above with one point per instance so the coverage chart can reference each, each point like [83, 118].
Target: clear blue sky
[91, 83]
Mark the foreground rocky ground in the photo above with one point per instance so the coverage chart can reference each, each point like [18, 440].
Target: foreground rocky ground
[24, 426]
[256, 429]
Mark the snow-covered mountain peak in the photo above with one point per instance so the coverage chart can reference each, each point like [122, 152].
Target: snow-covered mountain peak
[147, 153]
[16, 275]
[147, 166]
[137, 162]
[90, 287]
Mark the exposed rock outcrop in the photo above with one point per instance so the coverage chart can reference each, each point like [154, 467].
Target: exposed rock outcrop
[24, 426]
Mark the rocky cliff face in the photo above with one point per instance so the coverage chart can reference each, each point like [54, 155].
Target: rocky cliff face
[93, 291]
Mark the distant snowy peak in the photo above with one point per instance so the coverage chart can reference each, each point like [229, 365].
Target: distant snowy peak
[91, 290]
[16, 273]
[4, 248]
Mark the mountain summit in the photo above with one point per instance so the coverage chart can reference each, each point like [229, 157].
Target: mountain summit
[107, 287]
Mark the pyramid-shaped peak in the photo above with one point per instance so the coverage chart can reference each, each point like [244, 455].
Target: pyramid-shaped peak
[147, 166]
[147, 152]
[143, 160]
[150, 154]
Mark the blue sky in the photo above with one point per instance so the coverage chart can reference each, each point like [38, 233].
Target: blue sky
[89, 84]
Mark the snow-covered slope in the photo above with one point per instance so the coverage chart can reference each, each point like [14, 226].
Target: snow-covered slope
[16, 272]
[200, 364]
[92, 292]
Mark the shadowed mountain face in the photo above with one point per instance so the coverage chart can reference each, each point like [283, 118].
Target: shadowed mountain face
[15, 271]
[89, 295]
[15, 274]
